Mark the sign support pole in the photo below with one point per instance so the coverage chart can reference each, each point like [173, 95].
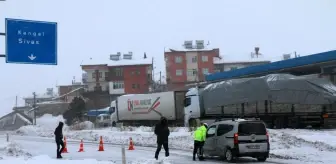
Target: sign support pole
[2, 55]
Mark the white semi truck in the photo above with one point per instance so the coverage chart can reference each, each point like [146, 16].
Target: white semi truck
[281, 100]
[147, 109]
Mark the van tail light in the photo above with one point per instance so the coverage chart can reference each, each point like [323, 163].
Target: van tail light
[267, 137]
[235, 138]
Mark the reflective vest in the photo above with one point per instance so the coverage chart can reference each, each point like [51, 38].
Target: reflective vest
[200, 134]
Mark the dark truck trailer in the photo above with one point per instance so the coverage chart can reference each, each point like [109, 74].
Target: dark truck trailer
[281, 100]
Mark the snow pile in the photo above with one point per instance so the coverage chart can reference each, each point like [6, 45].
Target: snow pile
[45, 126]
[46, 159]
[86, 125]
[48, 121]
[288, 144]
[177, 140]
[12, 149]
[150, 161]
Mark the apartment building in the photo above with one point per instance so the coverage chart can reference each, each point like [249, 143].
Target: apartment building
[189, 64]
[120, 75]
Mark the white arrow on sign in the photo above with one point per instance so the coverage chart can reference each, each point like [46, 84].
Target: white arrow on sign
[32, 57]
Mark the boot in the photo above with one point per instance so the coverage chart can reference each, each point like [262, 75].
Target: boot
[194, 159]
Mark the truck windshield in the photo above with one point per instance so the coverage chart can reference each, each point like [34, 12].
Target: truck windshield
[248, 128]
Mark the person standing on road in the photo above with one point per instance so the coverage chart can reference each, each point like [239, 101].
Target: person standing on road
[59, 139]
[162, 132]
[199, 139]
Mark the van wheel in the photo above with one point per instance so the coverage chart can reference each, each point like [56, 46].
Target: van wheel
[229, 156]
[261, 159]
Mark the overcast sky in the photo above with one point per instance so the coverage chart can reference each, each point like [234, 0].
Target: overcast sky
[101, 27]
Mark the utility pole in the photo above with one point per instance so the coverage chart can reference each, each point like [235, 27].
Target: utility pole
[34, 107]
[16, 101]
[153, 84]
[160, 78]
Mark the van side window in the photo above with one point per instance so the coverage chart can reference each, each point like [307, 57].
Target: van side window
[211, 131]
[187, 101]
[223, 129]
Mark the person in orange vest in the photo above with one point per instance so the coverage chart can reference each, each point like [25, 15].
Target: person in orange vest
[162, 132]
[59, 139]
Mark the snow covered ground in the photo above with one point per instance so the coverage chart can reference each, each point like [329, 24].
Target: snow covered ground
[43, 150]
[305, 146]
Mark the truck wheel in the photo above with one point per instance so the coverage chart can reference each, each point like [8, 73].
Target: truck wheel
[114, 124]
[261, 159]
[192, 123]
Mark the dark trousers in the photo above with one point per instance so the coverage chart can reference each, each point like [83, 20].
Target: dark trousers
[198, 145]
[59, 144]
[158, 149]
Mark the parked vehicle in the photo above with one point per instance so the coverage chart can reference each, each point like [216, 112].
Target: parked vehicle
[147, 109]
[280, 100]
[237, 138]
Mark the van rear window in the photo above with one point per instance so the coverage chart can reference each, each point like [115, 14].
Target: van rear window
[249, 128]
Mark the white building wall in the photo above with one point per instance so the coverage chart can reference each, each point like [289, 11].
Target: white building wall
[115, 91]
[90, 81]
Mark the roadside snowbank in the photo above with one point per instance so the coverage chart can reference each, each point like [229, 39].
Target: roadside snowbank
[12, 149]
[42, 159]
[177, 140]
[286, 144]
[46, 159]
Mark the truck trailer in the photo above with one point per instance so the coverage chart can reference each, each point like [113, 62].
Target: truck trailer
[147, 109]
[280, 100]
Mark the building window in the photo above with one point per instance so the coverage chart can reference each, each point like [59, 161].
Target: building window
[205, 58]
[194, 59]
[192, 72]
[179, 72]
[106, 75]
[118, 72]
[135, 86]
[205, 71]
[178, 59]
[100, 74]
[93, 75]
[233, 68]
[217, 70]
[137, 72]
[118, 85]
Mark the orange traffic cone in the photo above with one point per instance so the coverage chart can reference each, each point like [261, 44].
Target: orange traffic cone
[131, 145]
[65, 150]
[101, 144]
[81, 146]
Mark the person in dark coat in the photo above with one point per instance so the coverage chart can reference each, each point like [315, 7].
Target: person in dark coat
[162, 132]
[59, 139]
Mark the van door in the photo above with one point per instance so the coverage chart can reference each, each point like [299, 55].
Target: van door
[222, 142]
[253, 137]
[210, 144]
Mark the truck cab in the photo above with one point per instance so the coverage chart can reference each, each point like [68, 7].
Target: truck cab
[192, 105]
[114, 117]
